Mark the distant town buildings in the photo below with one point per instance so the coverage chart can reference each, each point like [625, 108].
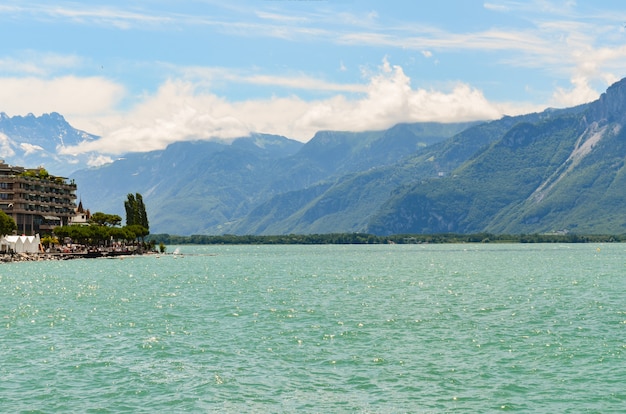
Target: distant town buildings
[36, 200]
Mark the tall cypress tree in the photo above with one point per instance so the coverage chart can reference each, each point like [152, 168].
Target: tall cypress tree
[136, 216]
[142, 216]
[136, 211]
[131, 206]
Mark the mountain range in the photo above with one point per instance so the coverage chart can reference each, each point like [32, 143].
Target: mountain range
[32, 141]
[560, 170]
[209, 187]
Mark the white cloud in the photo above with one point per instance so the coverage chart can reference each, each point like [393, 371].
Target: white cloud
[30, 148]
[174, 113]
[280, 17]
[98, 160]
[301, 82]
[580, 93]
[6, 150]
[495, 7]
[69, 95]
[180, 110]
[560, 8]
[88, 14]
[390, 100]
[565, 41]
[205, 76]
[590, 67]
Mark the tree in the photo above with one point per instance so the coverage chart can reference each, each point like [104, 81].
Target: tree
[136, 216]
[136, 211]
[78, 234]
[120, 233]
[7, 224]
[138, 231]
[130, 205]
[43, 173]
[108, 220]
[49, 240]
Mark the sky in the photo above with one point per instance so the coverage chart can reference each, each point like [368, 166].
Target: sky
[144, 74]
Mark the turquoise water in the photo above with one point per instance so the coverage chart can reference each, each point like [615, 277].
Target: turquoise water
[370, 329]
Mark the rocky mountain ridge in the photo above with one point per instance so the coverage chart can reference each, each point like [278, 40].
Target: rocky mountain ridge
[32, 141]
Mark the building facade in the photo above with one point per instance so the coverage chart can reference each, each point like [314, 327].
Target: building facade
[81, 216]
[37, 201]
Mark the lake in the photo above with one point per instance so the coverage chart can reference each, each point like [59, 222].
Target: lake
[319, 329]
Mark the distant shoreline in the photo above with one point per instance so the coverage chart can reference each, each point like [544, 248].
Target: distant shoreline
[363, 238]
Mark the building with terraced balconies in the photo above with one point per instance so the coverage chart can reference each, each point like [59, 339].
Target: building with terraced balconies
[36, 200]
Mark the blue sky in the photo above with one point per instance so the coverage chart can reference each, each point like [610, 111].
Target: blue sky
[143, 74]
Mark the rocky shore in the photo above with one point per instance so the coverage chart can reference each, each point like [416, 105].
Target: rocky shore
[30, 257]
[38, 257]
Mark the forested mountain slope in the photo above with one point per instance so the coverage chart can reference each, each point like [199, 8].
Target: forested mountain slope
[560, 174]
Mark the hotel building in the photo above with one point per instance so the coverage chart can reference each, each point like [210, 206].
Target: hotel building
[37, 201]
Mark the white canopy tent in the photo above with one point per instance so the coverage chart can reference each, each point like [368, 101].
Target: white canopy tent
[20, 244]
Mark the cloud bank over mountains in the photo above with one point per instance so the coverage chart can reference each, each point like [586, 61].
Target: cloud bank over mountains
[181, 110]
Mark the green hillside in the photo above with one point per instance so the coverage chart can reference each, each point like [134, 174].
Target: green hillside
[350, 202]
[564, 174]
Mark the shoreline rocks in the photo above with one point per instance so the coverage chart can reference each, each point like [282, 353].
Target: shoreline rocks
[40, 257]
[30, 257]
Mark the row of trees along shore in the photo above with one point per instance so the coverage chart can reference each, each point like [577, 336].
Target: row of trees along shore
[362, 238]
[104, 228]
